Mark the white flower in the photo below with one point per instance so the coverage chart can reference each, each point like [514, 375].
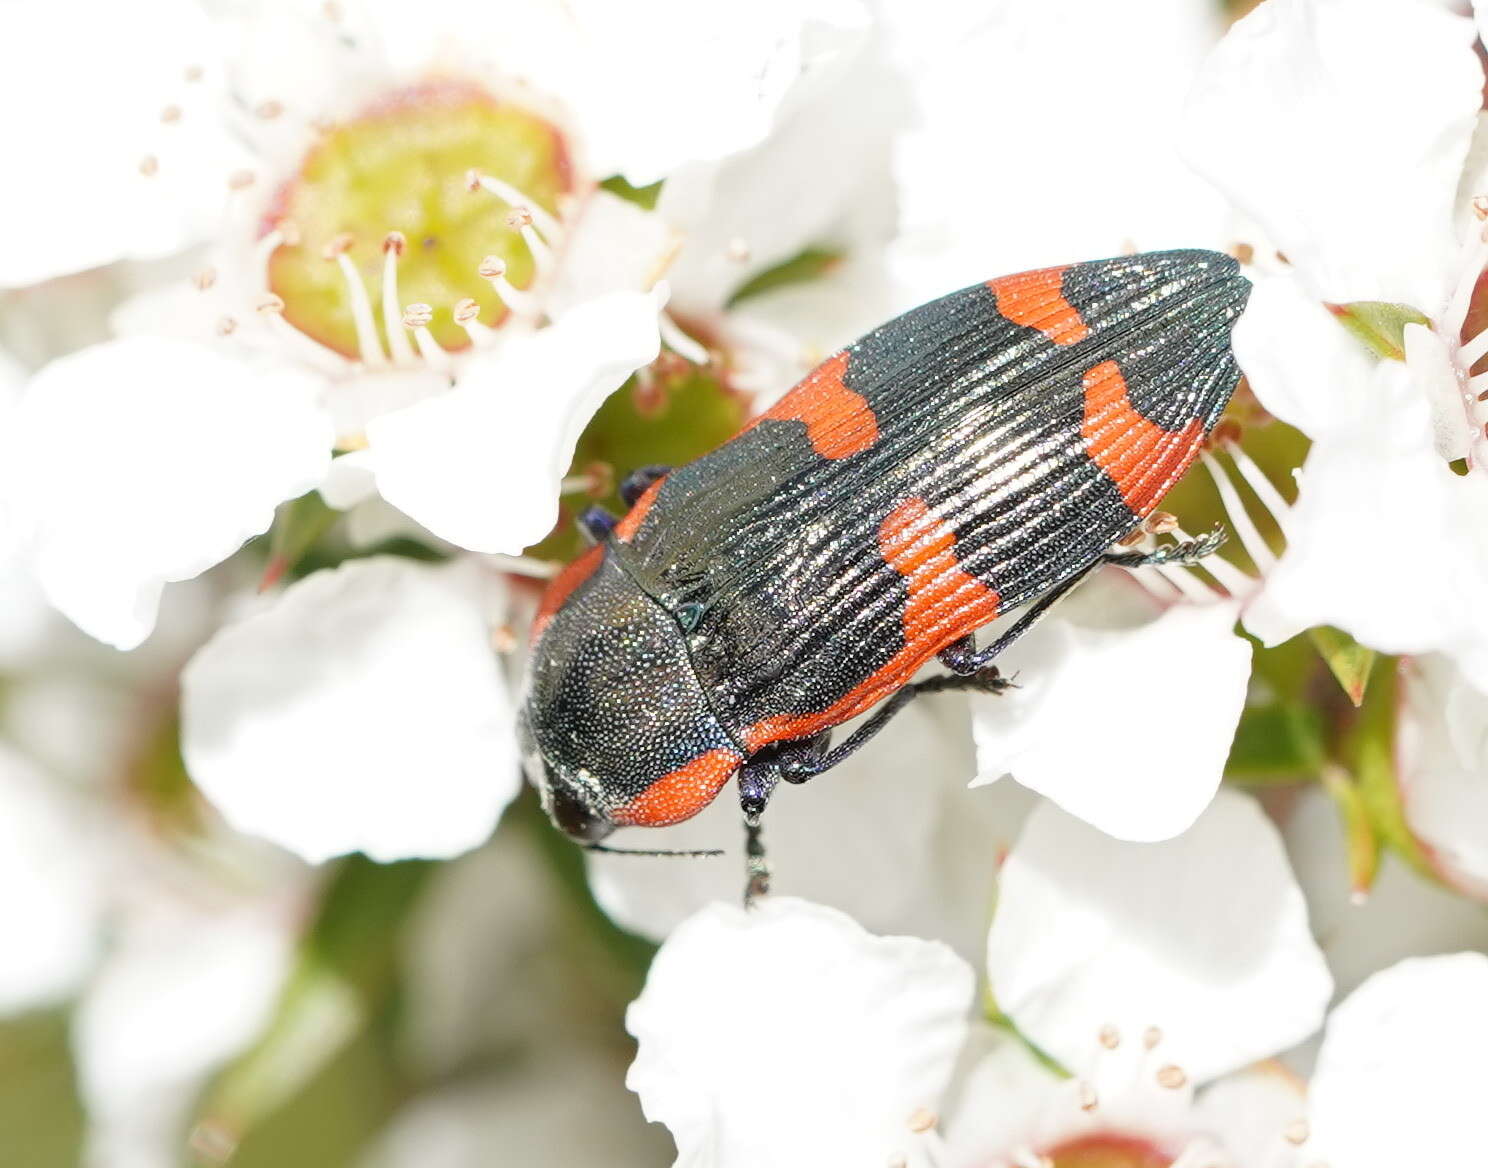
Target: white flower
[788, 1035]
[53, 898]
[143, 461]
[1204, 937]
[1156, 706]
[470, 230]
[364, 710]
[1343, 129]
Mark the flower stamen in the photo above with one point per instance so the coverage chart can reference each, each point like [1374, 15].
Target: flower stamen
[550, 227]
[417, 317]
[493, 269]
[1250, 536]
[519, 219]
[392, 318]
[679, 342]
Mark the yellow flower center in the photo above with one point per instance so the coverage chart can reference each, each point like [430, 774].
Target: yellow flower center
[402, 166]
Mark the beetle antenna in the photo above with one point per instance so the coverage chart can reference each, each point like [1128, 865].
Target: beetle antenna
[646, 852]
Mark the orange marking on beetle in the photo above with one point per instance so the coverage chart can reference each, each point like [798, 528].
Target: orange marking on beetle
[1139, 456]
[681, 794]
[1036, 300]
[839, 421]
[562, 586]
[944, 602]
[627, 527]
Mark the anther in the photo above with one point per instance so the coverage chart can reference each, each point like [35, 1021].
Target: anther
[331, 10]
[1131, 540]
[493, 268]
[1088, 1099]
[466, 310]
[518, 218]
[1227, 432]
[395, 242]
[1296, 1132]
[240, 180]
[226, 326]
[922, 1119]
[550, 227]
[1171, 1077]
[738, 250]
[1480, 206]
[171, 114]
[204, 279]
[1109, 1037]
[417, 315]
[1243, 252]
[193, 73]
[271, 303]
[503, 639]
[338, 245]
[1160, 523]
[149, 166]
[268, 110]
[1151, 1037]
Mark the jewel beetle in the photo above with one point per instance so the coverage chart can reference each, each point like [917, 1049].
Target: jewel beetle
[975, 457]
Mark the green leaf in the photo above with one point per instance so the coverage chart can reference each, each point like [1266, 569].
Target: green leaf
[643, 197]
[298, 527]
[1361, 840]
[1369, 751]
[41, 1120]
[343, 979]
[1277, 744]
[804, 266]
[1350, 661]
[1378, 325]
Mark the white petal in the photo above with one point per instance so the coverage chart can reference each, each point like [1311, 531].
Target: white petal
[1253, 1112]
[480, 465]
[1156, 708]
[50, 907]
[788, 1035]
[1435, 374]
[182, 991]
[855, 839]
[1204, 936]
[1442, 756]
[363, 711]
[86, 111]
[142, 461]
[1029, 150]
[1342, 126]
[1401, 1077]
[611, 245]
[822, 179]
[735, 66]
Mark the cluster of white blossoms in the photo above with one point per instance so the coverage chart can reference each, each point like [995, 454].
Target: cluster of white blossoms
[372, 270]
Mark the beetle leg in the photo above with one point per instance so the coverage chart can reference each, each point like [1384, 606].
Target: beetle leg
[634, 485]
[962, 656]
[1189, 551]
[596, 523]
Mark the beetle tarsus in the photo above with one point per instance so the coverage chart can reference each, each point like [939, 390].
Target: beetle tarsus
[756, 867]
[1186, 552]
[635, 484]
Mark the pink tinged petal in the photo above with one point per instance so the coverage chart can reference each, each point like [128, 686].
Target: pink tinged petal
[1404, 916]
[788, 1035]
[855, 839]
[1081, 730]
[363, 711]
[143, 461]
[51, 906]
[1401, 1077]
[737, 68]
[1204, 937]
[1442, 757]
[120, 156]
[1341, 126]
[1029, 151]
[481, 465]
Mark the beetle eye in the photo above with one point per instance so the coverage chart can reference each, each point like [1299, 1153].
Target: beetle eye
[574, 817]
